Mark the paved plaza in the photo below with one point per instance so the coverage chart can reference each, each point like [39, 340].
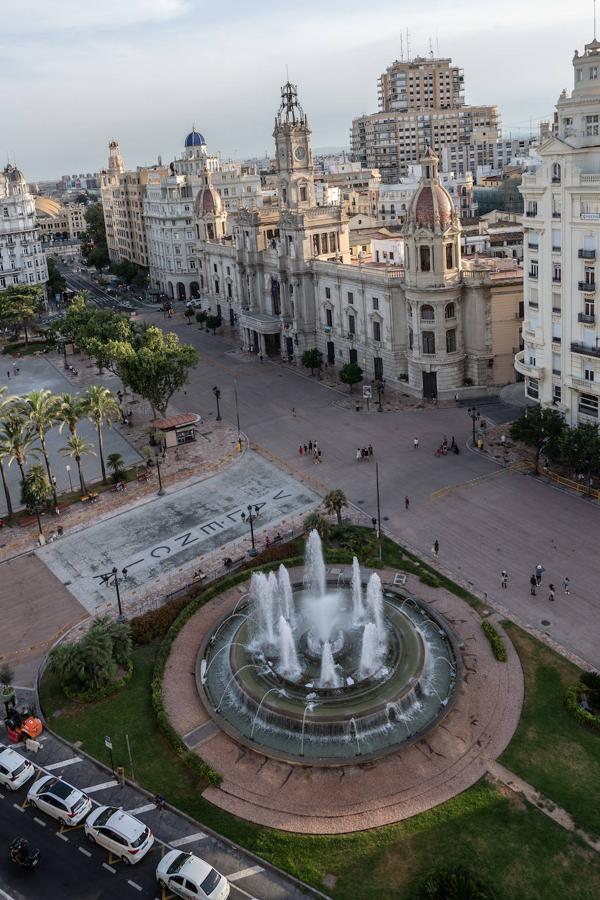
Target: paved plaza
[36, 373]
[158, 538]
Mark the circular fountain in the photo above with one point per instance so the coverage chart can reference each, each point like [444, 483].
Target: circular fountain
[325, 673]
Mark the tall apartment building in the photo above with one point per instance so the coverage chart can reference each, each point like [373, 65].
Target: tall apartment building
[22, 258]
[123, 195]
[58, 221]
[561, 359]
[421, 104]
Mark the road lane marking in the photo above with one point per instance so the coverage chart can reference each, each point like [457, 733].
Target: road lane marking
[245, 873]
[199, 836]
[99, 787]
[109, 868]
[134, 885]
[19, 807]
[65, 762]
[141, 809]
[39, 821]
[84, 851]
[62, 836]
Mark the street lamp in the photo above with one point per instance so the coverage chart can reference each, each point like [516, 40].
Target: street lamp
[113, 579]
[251, 517]
[475, 416]
[379, 384]
[217, 394]
[161, 490]
[68, 468]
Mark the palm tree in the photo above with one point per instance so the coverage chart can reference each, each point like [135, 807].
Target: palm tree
[5, 405]
[72, 409]
[102, 406]
[117, 464]
[17, 437]
[76, 448]
[334, 502]
[41, 408]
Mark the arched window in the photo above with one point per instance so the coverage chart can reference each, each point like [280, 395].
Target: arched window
[556, 173]
[427, 312]
[449, 256]
[450, 311]
[410, 339]
[451, 340]
[428, 342]
[425, 258]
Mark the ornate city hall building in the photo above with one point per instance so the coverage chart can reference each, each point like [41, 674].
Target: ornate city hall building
[284, 275]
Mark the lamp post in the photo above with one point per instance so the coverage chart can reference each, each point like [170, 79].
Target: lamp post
[68, 468]
[378, 509]
[379, 384]
[114, 580]
[237, 413]
[161, 490]
[217, 394]
[251, 517]
[475, 416]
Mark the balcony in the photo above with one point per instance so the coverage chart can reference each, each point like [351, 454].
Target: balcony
[586, 319]
[586, 254]
[532, 274]
[556, 215]
[531, 246]
[588, 287]
[531, 214]
[524, 368]
[556, 249]
[585, 351]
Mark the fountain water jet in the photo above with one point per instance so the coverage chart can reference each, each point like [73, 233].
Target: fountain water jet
[329, 674]
[375, 605]
[289, 666]
[358, 609]
[260, 590]
[314, 566]
[370, 654]
[286, 594]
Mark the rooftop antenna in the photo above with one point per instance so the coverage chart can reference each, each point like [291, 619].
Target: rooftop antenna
[437, 44]
[408, 45]
[430, 48]
[287, 73]
[401, 47]
[594, 19]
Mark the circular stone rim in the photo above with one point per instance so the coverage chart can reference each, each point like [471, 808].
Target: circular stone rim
[338, 762]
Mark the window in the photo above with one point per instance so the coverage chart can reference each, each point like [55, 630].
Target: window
[350, 298]
[533, 388]
[589, 308]
[329, 318]
[449, 256]
[217, 289]
[451, 341]
[375, 303]
[427, 312]
[531, 209]
[556, 364]
[556, 393]
[593, 73]
[450, 311]
[428, 342]
[533, 268]
[410, 339]
[556, 173]
[303, 195]
[588, 374]
[351, 325]
[556, 273]
[588, 405]
[376, 331]
[425, 257]
[579, 74]
[328, 293]
[592, 126]
[324, 244]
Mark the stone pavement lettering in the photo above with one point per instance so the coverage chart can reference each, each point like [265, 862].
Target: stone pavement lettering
[155, 539]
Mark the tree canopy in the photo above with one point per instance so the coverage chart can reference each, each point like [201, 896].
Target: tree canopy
[539, 428]
[20, 304]
[351, 374]
[312, 359]
[95, 251]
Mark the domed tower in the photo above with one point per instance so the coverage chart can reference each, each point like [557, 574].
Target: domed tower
[115, 161]
[194, 143]
[432, 286]
[210, 212]
[293, 150]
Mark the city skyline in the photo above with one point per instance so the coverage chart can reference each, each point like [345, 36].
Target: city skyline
[138, 74]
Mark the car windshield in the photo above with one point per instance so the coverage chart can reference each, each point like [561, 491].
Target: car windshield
[210, 882]
[178, 863]
[140, 840]
[103, 817]
[20, 768]
[59, 789]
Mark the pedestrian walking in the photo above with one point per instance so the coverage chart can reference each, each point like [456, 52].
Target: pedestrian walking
[370, 450]
[8, 374]
[358, 454]
[416, 443]
[539, 571]
[300, 449]
[406, 502]
[17, 370]
[294, 411]
[310, 446]
[550, 592]
[504, 579]
[567, 584]
[261, 357]
[533, 583]
[436, 548]
[319, 454]
[306, 450]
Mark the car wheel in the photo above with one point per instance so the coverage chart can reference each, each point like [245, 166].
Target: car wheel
[64, 822]
[90, 837]
[126, 860]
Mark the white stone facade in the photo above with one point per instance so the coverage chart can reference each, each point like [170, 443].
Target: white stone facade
[22, 257]
[561, 356]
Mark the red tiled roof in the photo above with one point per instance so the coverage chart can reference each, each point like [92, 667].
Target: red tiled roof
[176, 421]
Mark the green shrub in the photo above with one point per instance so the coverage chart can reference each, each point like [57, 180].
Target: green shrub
[429, 579]
[103, 693]
[496, 643]
[575, 709]
[453, 883]
[156, 622]
[591, 680]
[88, 668]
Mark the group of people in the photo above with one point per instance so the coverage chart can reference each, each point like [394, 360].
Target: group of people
[311, 449]
[535, 582]
[444, 448]
[363, 453]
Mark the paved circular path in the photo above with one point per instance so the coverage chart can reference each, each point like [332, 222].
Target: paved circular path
[315, 800]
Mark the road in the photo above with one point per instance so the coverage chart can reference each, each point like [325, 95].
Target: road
[72, 867]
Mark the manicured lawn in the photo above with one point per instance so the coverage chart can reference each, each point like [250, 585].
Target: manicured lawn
[552, 751]
[509, 843]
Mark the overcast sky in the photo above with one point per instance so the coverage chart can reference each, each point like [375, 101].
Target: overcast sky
[76, 73]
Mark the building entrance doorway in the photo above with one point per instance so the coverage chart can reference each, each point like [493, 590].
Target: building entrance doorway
[430, 385]
[353, 356]
[330, 352]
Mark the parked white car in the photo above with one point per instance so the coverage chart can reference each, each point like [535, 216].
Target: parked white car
[119, 832]
[187, 875]
[59, 799]
[15, 770]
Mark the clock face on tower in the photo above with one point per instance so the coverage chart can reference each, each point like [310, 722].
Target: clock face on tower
[300, 153]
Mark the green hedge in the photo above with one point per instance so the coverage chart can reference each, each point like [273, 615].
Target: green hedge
[106, 692]
[496, 643]
[429, 579]
[192, 605]
[574, 707]
[453, 883]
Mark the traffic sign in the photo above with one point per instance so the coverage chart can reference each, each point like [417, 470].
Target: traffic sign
[107, 742]
[367, 391]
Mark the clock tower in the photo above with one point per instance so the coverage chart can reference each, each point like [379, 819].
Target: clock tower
[294, 163]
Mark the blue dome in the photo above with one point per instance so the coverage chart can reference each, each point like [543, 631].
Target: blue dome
[194, 139]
